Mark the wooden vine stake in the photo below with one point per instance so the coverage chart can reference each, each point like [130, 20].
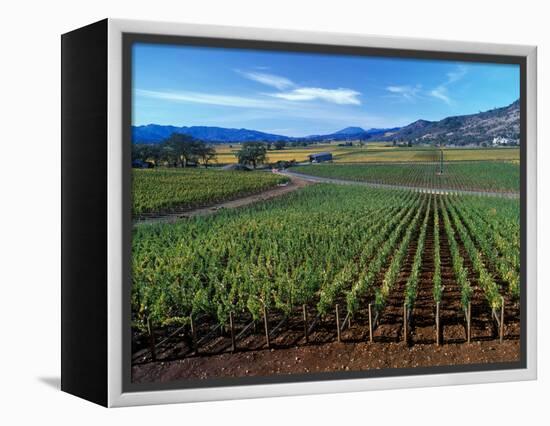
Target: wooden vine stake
[469, 322]
[266, 326]
[232, 329]
[405, 322]
[502, 320]
[304, 311]
[437, 331]
[370, 322]
[338, 322]
[193, 334]
[152, 344]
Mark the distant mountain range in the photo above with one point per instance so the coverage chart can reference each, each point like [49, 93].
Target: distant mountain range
[348, 134]
[463, 129]
[154, 133]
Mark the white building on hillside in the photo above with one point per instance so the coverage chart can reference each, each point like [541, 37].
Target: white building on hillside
[501, 141]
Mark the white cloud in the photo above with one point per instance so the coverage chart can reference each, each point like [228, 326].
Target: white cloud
[457, 74]
[210, 99]
[441, 93]
[290, 91]
[405, 92]
[284, 101]
[337, 96]
[272, 80]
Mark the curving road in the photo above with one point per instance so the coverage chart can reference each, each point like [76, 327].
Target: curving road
[319, 179]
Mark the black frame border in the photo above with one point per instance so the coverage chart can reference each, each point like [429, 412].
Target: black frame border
[129, 39]
[84, 235]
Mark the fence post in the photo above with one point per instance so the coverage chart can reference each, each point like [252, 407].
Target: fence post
[152, 343]
[502, 320]
[193, 334]
[437, 331]
[232, 327]
[304, 310]
[469, 322]
[405, 322]
[370, 322]
[266, 326]
[338, 322]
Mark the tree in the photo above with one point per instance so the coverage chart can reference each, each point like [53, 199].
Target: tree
[206, 153]
[252, 153]
[280, 145]
[145, 152]
[180, 149]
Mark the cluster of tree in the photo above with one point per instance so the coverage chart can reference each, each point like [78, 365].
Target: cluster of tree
[252, 153]
[178, 151]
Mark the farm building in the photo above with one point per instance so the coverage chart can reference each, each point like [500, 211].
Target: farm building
[320, 157]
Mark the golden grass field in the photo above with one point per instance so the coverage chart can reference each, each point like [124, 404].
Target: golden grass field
[374, 152]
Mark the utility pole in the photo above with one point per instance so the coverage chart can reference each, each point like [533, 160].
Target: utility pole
[440, 159]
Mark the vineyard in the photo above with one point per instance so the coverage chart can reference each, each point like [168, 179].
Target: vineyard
[328, 259]
[472, 176]
[160, 190]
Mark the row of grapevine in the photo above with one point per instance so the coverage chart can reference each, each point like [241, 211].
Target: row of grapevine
[437, 285]
[504, 264]
[368, 278]
[411, 288]
[460, 271]
[390, 276]
[501, 220]
[376, 235]
[484, 278]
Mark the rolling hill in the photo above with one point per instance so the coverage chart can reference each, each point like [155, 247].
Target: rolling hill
[459, 130]
[463, 129]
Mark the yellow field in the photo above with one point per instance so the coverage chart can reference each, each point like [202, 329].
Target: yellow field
[385, 155]
[373, 152]
[226, 154]
[502, 154]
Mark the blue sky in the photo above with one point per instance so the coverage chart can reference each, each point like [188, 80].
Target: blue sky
[298, 94]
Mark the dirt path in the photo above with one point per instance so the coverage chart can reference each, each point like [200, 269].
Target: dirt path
[345, 356]
[295, 183]
[319, 179]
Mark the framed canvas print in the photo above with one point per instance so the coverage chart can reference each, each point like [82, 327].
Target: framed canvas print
[252, 213]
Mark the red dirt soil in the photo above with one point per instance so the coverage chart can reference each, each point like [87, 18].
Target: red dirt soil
[329, 357]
